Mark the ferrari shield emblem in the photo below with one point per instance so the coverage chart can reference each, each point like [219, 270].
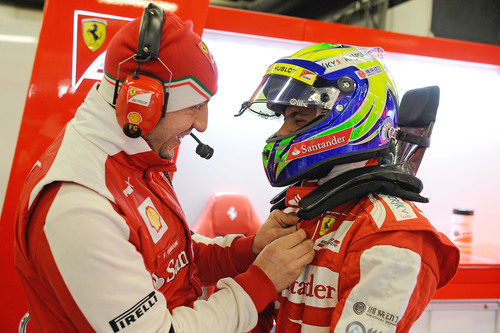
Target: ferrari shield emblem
[326, 224]
[94, 33]
[206, 52]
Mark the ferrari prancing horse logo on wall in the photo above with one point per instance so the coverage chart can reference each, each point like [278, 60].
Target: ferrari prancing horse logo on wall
[94, 33]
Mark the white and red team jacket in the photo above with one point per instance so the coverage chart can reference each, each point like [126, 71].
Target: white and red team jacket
[102, 243]
[378, 263]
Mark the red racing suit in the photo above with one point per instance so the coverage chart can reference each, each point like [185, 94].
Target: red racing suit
[102, 243]
[378, 263]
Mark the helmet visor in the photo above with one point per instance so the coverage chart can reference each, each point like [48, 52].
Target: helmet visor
[276, 91]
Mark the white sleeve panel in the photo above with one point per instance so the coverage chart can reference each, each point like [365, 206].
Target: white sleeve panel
[222, 241]
[102, 270]
[388, 276]
[229, 303]
[107, 278]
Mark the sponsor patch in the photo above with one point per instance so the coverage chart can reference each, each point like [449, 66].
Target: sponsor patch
[382, 316]
[319, 145]
[333, 241]
[326, 224]
[371, 71]
[134, 118]
[139, 96]
[401, 210]
[158, 282]
[359, 308]
[134, 313]
[342, 61]
[307, 76]
[355, 327]
[298, 102]
[153, 220]
[361, 74]
[94, 33]
[175, 265]
[316, 286]
[294, 202]
[203, 47]
[129, 189]
[171, 248]
[293, 71]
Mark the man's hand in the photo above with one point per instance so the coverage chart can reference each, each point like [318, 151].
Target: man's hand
[277, 225]
[284, 259]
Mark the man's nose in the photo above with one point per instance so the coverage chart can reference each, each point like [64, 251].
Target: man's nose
[201, 121]
[284, 129]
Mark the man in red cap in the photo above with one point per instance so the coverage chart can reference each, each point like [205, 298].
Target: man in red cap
[102, 243]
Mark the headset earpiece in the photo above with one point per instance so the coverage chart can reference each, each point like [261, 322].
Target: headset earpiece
[140, 104]
[141, 100]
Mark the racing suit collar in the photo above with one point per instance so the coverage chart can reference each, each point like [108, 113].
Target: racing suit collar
[339, 169]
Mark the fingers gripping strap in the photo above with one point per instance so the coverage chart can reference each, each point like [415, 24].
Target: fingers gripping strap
[148, 46]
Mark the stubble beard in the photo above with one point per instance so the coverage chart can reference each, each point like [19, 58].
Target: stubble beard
[165, 153]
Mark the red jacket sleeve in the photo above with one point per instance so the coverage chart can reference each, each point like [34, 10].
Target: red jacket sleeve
[222, 257]
[389, 280]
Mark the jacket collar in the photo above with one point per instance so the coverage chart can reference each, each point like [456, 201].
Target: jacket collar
[95, 120]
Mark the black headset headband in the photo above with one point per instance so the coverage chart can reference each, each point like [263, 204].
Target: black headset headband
[148, 46]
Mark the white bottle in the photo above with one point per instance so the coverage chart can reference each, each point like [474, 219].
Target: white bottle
[461, 229]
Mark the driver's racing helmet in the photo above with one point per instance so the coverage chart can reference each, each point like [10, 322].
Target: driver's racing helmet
[354, 99]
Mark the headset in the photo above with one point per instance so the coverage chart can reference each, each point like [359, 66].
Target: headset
[142, 99]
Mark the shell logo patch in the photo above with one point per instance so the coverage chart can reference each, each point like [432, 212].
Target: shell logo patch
[94, 33]
[326, 224]
[152, 219]
[134, 118]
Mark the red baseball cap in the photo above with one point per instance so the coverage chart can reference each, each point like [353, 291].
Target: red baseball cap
[194, 72]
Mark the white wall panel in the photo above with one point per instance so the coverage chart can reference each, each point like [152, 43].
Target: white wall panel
[463, 321]
[461, 168]
[422, 323]
[19, 30]
[236, 165]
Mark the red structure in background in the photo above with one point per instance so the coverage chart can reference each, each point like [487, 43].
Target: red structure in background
[52, 101]
[227, 213]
